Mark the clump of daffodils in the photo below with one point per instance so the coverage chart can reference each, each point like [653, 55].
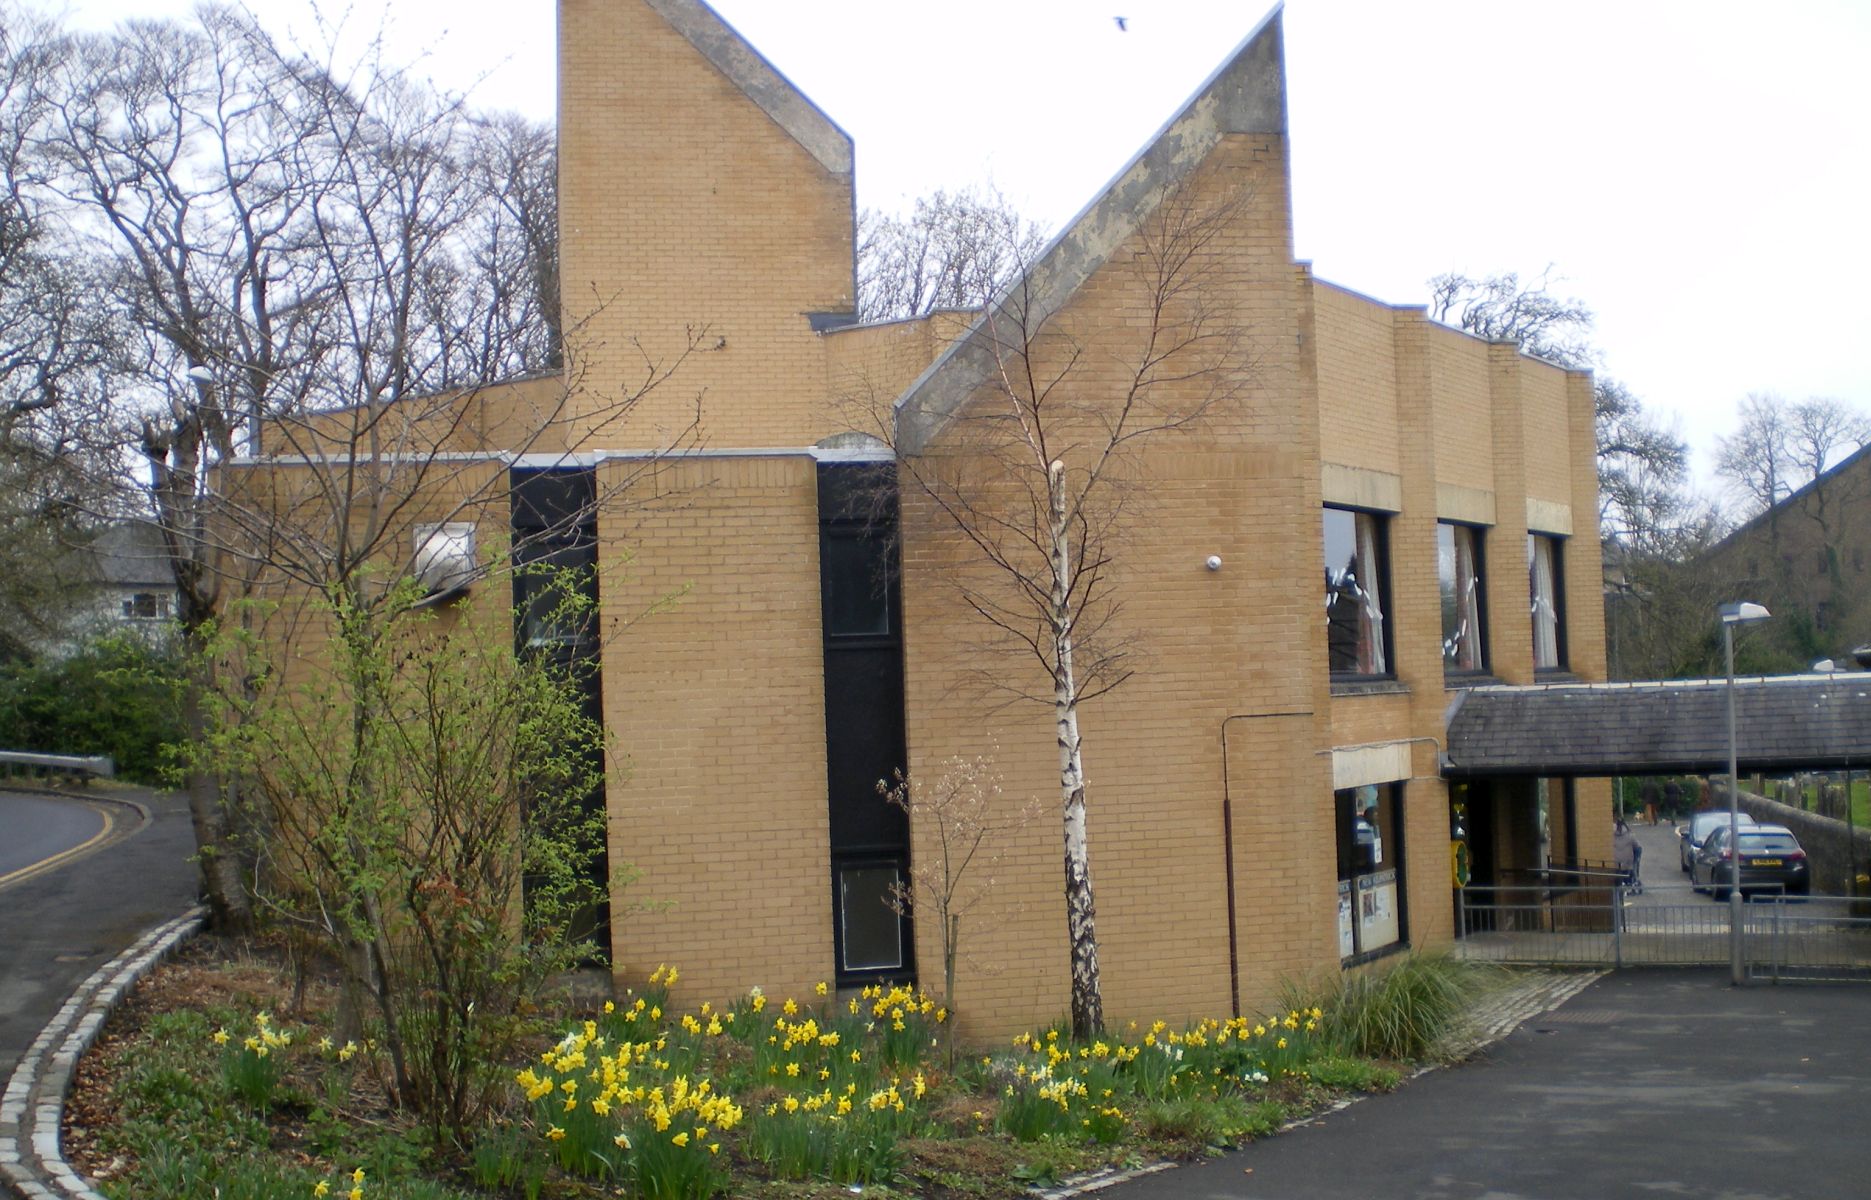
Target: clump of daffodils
[252, 1069]
[594, 1099]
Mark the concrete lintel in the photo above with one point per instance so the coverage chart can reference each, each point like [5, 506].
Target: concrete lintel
[1360, 487]
[1380, 762]
[1547, 516]
[1457, 503]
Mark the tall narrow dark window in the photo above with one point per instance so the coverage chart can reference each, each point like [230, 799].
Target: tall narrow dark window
[555, 596]
[864, 737]
[1459, 578]
[1356, 593]
[1546, 588]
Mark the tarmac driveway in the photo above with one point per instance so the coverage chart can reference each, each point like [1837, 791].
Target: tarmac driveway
[60, 924]
[1650, 1083]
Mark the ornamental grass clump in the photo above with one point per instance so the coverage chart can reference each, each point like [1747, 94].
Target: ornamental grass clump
[1400, 1012]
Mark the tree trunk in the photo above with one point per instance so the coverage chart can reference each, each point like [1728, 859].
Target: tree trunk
[1080, 911]
[949, 944]
[215, 849]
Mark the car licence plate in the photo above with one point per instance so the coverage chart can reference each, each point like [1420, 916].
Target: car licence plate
[1763, 862]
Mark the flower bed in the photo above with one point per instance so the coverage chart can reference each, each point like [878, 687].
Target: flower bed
[213, 1088]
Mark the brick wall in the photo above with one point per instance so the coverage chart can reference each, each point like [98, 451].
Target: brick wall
[713, 689]
[685, 210]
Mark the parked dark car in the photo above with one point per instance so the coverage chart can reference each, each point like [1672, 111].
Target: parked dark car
[1771, 861]
[1691, 833]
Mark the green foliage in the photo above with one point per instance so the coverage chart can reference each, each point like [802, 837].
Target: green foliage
[117, 695]
[428, 794]
[1401, 1011]
[186, 1106]
[1353, 1074]
[1029, 1112]
[505, 1159]
[1207, 1120]
[809, 1145]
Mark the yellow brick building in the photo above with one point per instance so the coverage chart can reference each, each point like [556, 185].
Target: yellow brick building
[1375, 510]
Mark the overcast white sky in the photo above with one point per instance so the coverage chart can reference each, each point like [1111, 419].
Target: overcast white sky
[1698, 171]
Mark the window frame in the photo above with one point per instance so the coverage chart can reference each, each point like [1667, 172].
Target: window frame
[901, 971]
[156, 604]
[1386, 618]
[1478, 588]
[1347, 812]
[1561, 653]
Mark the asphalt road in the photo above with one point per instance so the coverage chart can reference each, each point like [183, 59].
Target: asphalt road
[1650, 1083]
[58, 926]
[36, 828]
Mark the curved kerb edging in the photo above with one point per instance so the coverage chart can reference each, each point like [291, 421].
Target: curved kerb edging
[31, 1159]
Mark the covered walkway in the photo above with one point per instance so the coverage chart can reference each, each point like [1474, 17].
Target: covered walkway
[1783, 723]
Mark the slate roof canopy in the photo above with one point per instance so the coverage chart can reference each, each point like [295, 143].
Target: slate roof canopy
[1782, 723]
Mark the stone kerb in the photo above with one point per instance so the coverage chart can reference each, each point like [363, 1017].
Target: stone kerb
[31, 1159]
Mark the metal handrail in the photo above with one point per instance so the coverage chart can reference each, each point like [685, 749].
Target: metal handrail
[89, 766]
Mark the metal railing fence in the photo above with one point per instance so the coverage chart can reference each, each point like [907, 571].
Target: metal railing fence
[1783, 937]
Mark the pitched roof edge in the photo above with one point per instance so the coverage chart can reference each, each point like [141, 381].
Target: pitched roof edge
[1245, 94]
[763, 83]
[1785, 503]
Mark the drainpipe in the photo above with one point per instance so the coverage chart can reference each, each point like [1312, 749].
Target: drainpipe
[1227, 852]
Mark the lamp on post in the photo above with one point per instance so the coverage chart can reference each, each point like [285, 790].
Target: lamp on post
[1738, 612]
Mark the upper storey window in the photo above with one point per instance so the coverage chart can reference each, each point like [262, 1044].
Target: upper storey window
[1459, 577]
[1546, 588]
[1357, 593]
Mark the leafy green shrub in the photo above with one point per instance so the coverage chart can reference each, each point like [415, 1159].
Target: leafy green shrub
[117, 695]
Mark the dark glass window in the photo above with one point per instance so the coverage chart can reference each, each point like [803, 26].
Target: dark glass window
[857, 586]
[146, 606]
[1460, 579]
[872, 928]
[1357, 593]
[1546, 587]
[1370, 870]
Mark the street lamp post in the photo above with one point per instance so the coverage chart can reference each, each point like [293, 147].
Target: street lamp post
[1732, 614]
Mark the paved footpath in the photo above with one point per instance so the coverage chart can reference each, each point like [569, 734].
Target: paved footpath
[1649, 1083]
[60, 925]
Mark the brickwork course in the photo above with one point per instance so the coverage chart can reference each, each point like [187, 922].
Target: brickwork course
[707, 211]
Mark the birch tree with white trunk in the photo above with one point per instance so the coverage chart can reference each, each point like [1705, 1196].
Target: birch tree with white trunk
[1041, 475]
